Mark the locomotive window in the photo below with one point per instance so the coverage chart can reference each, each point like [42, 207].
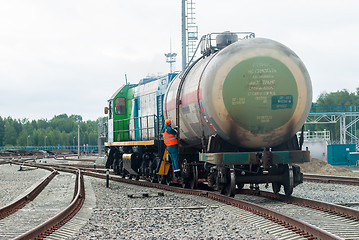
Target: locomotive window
[120, 106]
[110, 110]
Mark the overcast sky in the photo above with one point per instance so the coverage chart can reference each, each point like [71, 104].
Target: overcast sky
[69, 56]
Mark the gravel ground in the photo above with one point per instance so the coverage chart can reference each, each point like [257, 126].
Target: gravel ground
[11, 176]
[332, 193]
[116, 216]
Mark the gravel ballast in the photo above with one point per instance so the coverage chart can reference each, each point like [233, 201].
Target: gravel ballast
[172, 216]
[14, 182]
[161, 217]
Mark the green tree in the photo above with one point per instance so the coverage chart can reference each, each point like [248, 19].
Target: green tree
[61, 129]
[2, 131]
[10, 134]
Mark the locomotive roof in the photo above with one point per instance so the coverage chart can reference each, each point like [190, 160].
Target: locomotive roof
[151, 79]
[118, 90]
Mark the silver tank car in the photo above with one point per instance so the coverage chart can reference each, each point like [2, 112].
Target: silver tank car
[253, 93]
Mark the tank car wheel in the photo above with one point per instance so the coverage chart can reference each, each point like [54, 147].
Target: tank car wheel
[229, 189]
[240, 186]
[276, 187]
[289, 180]
[193, 181]
[186, 173]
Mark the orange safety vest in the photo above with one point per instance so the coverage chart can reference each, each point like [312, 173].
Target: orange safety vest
[169, 138]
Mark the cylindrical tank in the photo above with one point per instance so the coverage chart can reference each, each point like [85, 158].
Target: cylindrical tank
[253, 93]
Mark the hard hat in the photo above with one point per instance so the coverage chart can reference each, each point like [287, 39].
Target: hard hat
[168, 122]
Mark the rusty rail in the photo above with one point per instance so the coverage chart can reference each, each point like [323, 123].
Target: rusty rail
[322, 206]
[20, 203]
[67, 158]
[61, 218]
[331, 179]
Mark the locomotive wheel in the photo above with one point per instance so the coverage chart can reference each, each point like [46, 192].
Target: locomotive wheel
[229, 189]
[169, 181]
[161, 179]
[193, 181]
[116, 166]
[153, 177]
[276, 187]
[123, 173]
[168, 178]
[289, 181]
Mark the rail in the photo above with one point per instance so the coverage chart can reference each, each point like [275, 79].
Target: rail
[20, 203]
[61, 218]
[137, 128]
[331, 179]
[323, 206]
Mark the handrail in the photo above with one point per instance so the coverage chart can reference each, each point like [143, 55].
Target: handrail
[133, 129]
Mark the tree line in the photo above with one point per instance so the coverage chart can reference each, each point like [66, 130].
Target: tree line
[61, 129]
[342, 97]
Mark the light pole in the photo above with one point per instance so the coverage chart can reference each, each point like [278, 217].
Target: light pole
[78, 141]
[27, 141]
[73, 142]
[45, 142]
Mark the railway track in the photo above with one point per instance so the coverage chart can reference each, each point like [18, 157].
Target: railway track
[306, 177]
[45, 214]
[344, 220]
[27, 198]
[331, 179]
[338, 220]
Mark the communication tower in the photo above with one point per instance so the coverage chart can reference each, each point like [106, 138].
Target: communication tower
[189, 31]
[171, 57]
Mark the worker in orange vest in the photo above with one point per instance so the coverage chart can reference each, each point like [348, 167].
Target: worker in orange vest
[169, 137]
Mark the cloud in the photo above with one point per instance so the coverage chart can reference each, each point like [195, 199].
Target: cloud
[70, 56]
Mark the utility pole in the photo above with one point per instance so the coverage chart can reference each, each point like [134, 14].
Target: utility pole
[78, 141]
[99, 125]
